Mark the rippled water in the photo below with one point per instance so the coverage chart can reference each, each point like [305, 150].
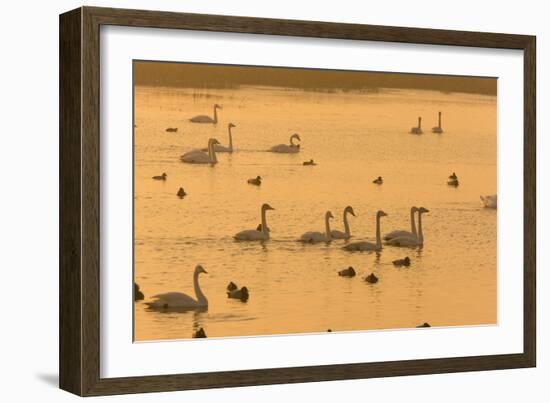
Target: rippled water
[294, 288]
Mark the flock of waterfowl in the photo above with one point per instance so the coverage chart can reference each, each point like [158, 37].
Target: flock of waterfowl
[412, 238]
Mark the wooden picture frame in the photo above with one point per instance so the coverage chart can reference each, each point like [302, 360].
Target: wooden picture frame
[79, 346]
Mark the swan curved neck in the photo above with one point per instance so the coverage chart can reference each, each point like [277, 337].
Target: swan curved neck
[346, 224]
[439, 120]
[420, 235]
[230, 138]
[413, 224]
[327, 228]
[201, 298]
[265, 230]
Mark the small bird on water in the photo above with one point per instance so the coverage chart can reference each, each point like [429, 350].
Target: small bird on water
[371, 278]
[160, 177]
[181, 193]
[349, 272]
[310, 162]
[199, 334]
[241, 294]
[138, 295]
[257, 181]
[425, 324]
[172, 130]
[402, 262]
[378, 180]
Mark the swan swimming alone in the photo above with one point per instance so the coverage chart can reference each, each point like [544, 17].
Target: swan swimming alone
[364, 246]
[418, 129]
[200, 157]
[205, 118]
[314, 236]
[254, 234]
[180, 300]
[223, 149]
[336, 234]
[438, 129]
[398, 233]
[288, 148]
[411, 241]
[489, 201]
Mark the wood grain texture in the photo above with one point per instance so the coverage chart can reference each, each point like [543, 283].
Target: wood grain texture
[80, 200]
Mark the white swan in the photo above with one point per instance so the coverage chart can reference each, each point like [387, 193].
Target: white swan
[335, 234]
[288, 148]
[418, 129]
[200, 157]
[438, 129]
[254, 234]
[411, 241]
[181, 300]
[368, 246]
[398, 233]
[489, 201]
[223, 149]
[314, 236]
[205, 118]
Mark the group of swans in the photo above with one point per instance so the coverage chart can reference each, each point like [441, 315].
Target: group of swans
[418, 129]
[405, 238]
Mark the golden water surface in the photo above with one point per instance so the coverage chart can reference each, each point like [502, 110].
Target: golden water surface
[294, 288]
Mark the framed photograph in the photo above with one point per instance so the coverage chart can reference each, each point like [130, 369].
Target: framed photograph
[249, 201]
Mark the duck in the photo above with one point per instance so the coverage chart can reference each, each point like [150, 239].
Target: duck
[309, 163]
[371, 279]
[172, 130]
[425, 324]
[138, 295]
[365, 246]
[378, 181]
[175, 300]
[257, 181]
[160, 177]
[453, 182]
[349, 272]
[241, 294]
[402, 262]
[181, 193]
[199, 334]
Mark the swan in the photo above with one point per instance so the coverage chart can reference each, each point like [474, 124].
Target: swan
[438, 129]
[314, 236]
[160, 177]
[241, 294]
[207, 119]
[398, 233]
[181, 193]
[335, 234]
[402, 262]
[349, 272]
[368, 246]
[254, 234]
[489, 201]
[410, 240]
[200, 157]
[371, 278]
[255, 181]
[181, 300]
[288, 148]
[418, 129]
[309, 163]
[138, 295]
[223, 149]
[378, 180]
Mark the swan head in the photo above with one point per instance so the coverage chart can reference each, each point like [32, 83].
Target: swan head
[213, 141]
[423, 210]
[349, 209]
[414, 209]
[295, 136]
[164, 175]
[230, 125]
[266, 206]
[329, 215]
[200, 269]
[217, 106]
[381, 214]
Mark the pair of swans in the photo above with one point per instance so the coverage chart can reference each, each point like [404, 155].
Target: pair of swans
[365, 246]
[291, 148]
[205, 118]
[175, 300]
[201, 157]
[223, 149]
[329, 235]
[258, 234]
[406, 238]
